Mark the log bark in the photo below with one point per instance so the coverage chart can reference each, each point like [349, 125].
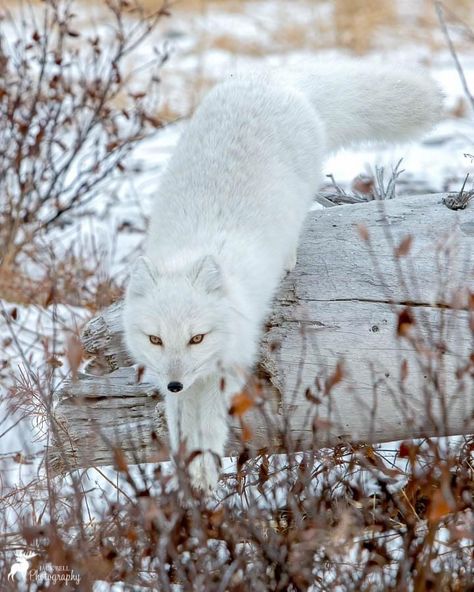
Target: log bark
[370, 339]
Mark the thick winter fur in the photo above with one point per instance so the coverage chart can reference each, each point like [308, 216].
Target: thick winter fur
[226, 221]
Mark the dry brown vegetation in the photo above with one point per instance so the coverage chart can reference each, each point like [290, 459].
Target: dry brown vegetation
[353, 517]
[280, 29]
[352, 24]
[63, 133]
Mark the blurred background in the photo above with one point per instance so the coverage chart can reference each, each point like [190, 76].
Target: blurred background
[211, 38]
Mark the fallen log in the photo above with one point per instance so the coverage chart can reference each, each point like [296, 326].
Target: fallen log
[371, 339]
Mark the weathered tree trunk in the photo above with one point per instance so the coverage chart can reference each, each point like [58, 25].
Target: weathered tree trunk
[371, 339]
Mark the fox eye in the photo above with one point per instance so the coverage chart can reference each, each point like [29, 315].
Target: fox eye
[196, 339]
[155, 340]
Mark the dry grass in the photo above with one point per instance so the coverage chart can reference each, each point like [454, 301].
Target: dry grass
[72, 281]
[357, 22]
[351, 24]
[357, 26]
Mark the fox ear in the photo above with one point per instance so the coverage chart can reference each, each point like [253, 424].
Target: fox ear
[207, 275]
[143, 277]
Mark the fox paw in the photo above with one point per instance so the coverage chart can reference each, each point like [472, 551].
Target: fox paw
[204, 472]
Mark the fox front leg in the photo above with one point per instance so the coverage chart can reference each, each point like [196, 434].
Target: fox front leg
[198, 418]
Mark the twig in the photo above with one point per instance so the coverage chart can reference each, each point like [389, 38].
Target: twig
[459, 201]
[452, 49]
[380, 191]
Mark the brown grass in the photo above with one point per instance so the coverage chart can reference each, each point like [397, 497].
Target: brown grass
[358, 26]
[73, 283]
[357, 22]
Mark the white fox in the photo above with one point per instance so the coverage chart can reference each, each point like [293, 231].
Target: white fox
[226, 221]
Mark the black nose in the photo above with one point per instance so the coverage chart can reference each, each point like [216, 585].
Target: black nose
[175, 387]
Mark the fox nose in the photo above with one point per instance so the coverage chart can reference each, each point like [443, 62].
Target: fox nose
[175, 387]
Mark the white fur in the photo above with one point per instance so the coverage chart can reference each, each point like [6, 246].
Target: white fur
[226, 222]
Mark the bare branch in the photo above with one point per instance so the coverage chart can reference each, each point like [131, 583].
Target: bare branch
[440, 12]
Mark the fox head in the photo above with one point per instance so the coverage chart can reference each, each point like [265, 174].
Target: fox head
[177, 323]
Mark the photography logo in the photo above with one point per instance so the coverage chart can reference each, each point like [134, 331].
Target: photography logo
[21, 564]
[44, 573]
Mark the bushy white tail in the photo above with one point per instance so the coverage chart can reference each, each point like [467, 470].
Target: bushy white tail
[361, 101]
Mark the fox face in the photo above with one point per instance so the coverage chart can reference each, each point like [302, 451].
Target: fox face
[177, 323]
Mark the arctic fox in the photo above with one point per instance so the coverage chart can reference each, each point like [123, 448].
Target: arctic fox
[226, 221]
